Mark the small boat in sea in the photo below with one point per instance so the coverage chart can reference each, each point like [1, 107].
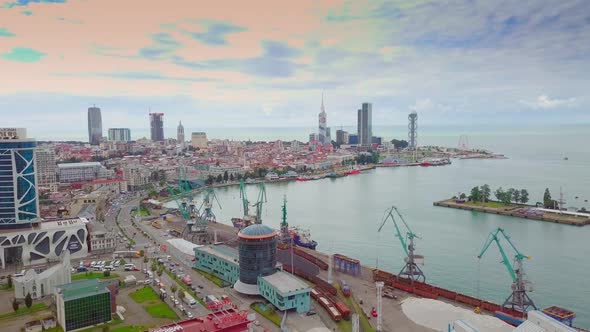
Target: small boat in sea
[335, 175]
[303, 178]
[352, 171]
[565, 158]
[302, 238]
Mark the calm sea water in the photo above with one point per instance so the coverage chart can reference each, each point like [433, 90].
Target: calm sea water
[343, 214]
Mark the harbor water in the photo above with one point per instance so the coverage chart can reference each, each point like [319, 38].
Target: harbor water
[343, 215]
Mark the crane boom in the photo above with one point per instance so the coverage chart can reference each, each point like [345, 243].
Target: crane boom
[244, 198]
[494, 238]
[398, 233]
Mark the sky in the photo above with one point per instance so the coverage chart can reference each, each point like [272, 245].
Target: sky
[227, 64]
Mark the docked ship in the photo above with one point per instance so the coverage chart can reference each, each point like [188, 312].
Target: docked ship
[302, 238]
[335, 175]
[303, 178]
[352, 171]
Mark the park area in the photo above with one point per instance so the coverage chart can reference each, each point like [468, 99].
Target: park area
[152, 303]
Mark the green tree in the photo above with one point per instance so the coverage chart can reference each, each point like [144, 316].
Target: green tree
[181, 294]
[145, 259]
[9, 281]
[399, 144]
[239, 176]
[515, 195]
[499, 193]
[106, 273]
[231, 177]
[524, 196]
[225, 176]
[547, 200]
[28, 300]
[141, 252]
[485, 192]
[462, 196]
[160, 271]
[219, 178]
[14, 304]
[173, 289]
[154, 267]
[475, 194]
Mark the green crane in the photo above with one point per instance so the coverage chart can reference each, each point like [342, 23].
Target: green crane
[245, 202]
[259, 202]
[519, 300]
[208, 215]
[410, 269]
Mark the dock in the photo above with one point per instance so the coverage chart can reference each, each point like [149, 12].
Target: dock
[520, 211]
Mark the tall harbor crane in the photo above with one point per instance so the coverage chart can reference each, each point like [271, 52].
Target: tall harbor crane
[259, 202]
[207, 215]
[245, 202]
[519, 300]
[411, 269]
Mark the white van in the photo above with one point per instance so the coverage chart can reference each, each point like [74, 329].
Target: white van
[129, 267]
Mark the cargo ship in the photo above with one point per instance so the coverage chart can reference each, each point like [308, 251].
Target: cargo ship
[302, 238]
[352, 171]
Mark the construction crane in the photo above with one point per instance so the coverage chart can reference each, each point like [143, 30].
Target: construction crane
[519, 300]
[410, 269]
[207, 214]
[259, 202]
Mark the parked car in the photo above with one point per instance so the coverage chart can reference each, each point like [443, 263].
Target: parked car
[176, 302]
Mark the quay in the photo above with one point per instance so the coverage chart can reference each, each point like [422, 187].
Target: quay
[521, 211]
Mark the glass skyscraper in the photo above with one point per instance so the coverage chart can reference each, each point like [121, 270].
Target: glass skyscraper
[365, 124]
[19, 204]
[94, 126]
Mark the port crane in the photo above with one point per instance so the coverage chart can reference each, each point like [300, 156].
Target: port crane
[411, 269]
[519, 300]
[207, 215]
[259, 202]
[245, 202]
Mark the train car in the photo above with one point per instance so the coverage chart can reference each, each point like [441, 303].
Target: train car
[320, 263]
[336, 316]
[344, 287]
[324, 285]
[314, 294]
[342, 309]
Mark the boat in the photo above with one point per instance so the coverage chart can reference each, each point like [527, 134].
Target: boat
[352, 171]
[303, 178]
[425, 164]
[334, 175]
[302, 238]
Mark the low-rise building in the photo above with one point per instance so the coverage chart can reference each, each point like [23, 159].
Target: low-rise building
[285, 291]
[270, 176]
[84, 303]
[81, 172]
[199, 140]
[101, 241]
[112, 185]
[219, 260]
[41, 284]
[137, 177]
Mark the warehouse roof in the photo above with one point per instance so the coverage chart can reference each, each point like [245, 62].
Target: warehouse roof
[286, 283]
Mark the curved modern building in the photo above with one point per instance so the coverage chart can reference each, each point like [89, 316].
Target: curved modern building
[258, 256]
[19, 204]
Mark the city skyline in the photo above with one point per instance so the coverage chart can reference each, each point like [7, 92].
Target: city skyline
[456, 64]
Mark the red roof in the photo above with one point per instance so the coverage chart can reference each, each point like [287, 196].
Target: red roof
[233, 322]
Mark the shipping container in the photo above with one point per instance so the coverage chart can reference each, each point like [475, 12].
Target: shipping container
[343, 309]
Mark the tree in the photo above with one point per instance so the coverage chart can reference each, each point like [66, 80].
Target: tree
[106, 273]
[399, 144]
[28, 300]
[231, 177]
[145, 260]
[160, 271]
[210, 180]
[173, 289]
[225, 176]
[524, 196]
[485, 192]
[499, 193]
[475, 195]
[154, 267]
[547, 201]
[515, 195]
[181, 294]
[219, 178]
[14, 304]
[9, 281]
[239, 176]
[462, 196]
[141, 252]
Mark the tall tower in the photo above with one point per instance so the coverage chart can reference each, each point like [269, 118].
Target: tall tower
[157, 126]
[322, 117]
[365, 124]
[94, 125]
[413, 130]
[19, 201]
[180, 133]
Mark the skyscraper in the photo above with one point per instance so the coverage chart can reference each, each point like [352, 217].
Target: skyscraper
[19, 204]
[180, 133]
[412, 130]
[119, 134]
[365, 124]
[157, 126]
[322, 117]
[94, 125]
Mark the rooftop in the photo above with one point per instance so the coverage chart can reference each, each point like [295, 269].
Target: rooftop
[75, 165]
[257, 231]
[286, 283]
[221, 251]
[80, 289]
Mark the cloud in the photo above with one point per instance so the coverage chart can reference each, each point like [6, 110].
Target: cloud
[5, 33]
[215, 32]
[544, 102]
[23, 54]
[27, 2]
[27, 12]
[164, 47]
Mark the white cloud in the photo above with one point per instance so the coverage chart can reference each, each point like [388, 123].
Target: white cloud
[545, 102]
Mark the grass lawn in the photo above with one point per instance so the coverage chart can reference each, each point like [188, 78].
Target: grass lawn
[144, 294]
[213, 279]
[132, 328]
[5, 287]
[161, 310]
[495, 205]
[144, 212]
[23, 310]
[92, 275]
[185, 287]
[263, 310]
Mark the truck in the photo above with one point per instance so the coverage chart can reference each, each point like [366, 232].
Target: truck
[187, 280]
[189, 300]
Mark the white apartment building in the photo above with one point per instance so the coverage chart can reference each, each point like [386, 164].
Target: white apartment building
[199, 140]
[137, 177]
[46, 169]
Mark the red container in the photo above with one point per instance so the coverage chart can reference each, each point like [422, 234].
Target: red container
[426, 294]
[324, 285]
[343, 309]
[468, 300]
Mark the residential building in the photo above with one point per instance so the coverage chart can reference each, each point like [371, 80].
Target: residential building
[42, 284]
[83, 303]
[199, 140]
[44, 242]
[138, 177]
[80, 172]
[285, 291]
[157, 126]
[18, 208]
[101, 241]
[230, 169]
[341, 137]
[365, 124]
[353, 139]
[180, 134]
[46, 169]
[119, 134]
[94, 125]
[376, 140]
[219, 260]
[271, 176]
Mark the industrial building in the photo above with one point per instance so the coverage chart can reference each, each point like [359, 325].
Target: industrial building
[84, 303]
[42, 284]
[80, 172]
[199, 140]
[285, 291]
[119, 134]
[219, 260]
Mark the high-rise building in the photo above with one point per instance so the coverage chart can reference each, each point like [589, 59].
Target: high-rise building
[341, 137]
[180, 133]
[413, 130]
[199, 140]
[365, 124]
[19, 204]
[119, 134]
[46, 169]
[94, 125]
[322, 117]
[157, 126]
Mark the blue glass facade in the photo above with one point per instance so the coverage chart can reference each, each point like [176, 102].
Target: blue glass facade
[18, 190]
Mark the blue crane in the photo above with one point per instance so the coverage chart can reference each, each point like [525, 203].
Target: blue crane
[519, 300]
[410, 269]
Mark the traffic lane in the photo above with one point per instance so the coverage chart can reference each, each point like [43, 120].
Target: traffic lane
[197, 310]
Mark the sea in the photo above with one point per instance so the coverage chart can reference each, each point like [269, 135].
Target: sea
[344, 214]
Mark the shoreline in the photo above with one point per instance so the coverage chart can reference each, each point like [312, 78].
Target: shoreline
[518, 211]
